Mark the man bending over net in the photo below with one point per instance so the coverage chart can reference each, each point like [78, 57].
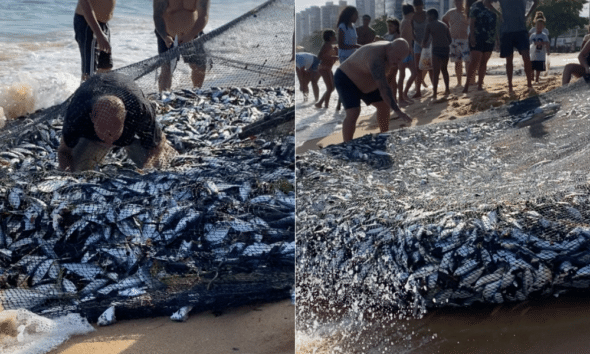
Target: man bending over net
[111, 110]
[184, 19]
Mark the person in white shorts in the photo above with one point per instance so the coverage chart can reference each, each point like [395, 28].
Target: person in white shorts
[458, 24]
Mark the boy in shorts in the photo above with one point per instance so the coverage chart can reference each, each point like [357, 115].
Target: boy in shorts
[540, 43]
[93, 35]
[441, 41]
[458, 24]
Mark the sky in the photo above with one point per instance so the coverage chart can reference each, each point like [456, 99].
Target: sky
[301, 5]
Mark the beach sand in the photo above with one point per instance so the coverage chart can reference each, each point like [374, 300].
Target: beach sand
[457, 104]
[260, 329]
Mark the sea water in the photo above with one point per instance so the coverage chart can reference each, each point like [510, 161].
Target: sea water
[40, 59]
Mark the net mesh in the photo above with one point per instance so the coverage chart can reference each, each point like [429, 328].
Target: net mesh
[488, 210]
[211, 227]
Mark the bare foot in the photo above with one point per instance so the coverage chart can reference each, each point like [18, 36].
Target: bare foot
[465, 89]
[447, 92]
[479, 88]
[408, 99]
[318, 105]
[417, 95]
[511, 92]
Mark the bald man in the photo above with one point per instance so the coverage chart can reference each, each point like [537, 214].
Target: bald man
[186, 20]
[363, 76]
[110, 110]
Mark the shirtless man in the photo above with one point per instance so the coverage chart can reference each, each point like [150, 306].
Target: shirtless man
[458, 24]
[408, 62]
[90, 22]
[185, 19]
[363, 76]
[365, 33]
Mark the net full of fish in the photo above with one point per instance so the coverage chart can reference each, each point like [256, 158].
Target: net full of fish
[487, 210]
[215, 228]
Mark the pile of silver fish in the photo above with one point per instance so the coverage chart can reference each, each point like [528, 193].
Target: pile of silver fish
[117, 234]
[485, 210]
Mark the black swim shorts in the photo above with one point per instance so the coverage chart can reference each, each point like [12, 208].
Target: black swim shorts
[511, 40]
[198, 57]
[441, 52]
[350, 94]
[85, 39]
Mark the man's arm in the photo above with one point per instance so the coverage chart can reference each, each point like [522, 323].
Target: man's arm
[583, 57]
[90, 17]
[159, 7]
[533, 8]
[378, 74]
[426, 36]
[65, 157]
[202, 19]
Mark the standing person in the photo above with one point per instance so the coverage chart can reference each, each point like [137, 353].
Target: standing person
[186, 20]
[515, 35]
[538, 15]
[306, 67]
[540, 42]
[393, 31]
[419, 23]
[327, 57]
[92, 32]
[441, 42]
[408, 62]
[363, 77]
[458, 24]
[111, 110]
[347, 36]
[365, 33]
[482, 39]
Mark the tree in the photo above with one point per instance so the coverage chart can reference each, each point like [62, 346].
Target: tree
[380, 26]
[561, 15]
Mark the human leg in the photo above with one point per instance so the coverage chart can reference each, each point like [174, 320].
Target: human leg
[509, 70]
[459, 71]
[197, 75]
[314, 77]
[383, 114]
[485, 56]
[473, 64]
[445, 74]
[328, 78]
[436, 64]
[418, 78]
[349, 124]
[528, 68]
[570, 70]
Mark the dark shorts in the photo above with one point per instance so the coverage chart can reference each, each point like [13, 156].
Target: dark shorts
[441, 52]
[538, 65]
[482, 47]
[350, 95]
[511, 40]
[85, 38]
[197, 57]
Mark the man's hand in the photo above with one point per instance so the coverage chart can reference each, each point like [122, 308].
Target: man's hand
[169, 41]
[103, 43]
[404, 116]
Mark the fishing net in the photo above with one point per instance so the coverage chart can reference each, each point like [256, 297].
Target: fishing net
[211, 226]
[487, 210]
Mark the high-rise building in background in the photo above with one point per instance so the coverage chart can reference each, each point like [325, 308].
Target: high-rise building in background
[366, 7]
[330, 13]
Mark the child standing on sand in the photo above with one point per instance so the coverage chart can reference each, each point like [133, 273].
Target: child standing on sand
[441, 42]
[540, 47]
[392, 29]
[328, 55]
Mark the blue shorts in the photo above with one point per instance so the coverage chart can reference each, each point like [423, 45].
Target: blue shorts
[417, 48]
[350, 95]
[408, 59]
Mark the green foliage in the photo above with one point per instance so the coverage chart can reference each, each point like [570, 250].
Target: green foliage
[313, 44]
[561, 15]
[380, 26]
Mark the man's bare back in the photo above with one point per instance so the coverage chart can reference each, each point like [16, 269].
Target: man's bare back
[441, 36]
[182, 18]
[457, 22]
[365, 35]
[406, 29]
[103, 9]
[360, 67]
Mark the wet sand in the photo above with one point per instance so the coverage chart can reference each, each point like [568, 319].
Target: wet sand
[555, 325]
[263, 329]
